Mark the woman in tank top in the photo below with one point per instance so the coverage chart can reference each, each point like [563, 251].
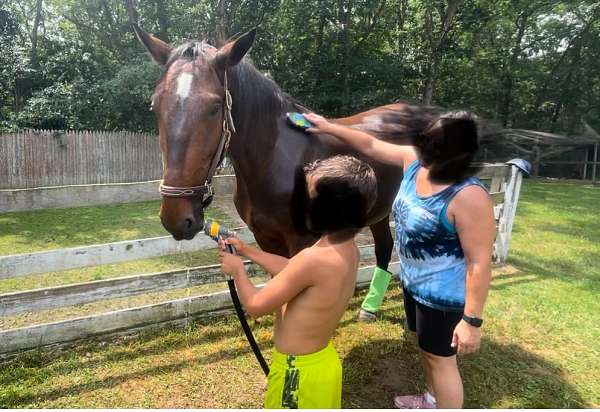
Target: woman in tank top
[445, 230]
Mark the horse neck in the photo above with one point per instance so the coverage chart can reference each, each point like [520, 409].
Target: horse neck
[257, 104]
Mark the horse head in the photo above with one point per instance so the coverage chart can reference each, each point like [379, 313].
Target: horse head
[192, 105]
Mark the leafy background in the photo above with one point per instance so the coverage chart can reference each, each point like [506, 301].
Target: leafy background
[75, 64]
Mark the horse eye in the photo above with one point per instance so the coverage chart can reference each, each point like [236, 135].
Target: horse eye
[214, 109]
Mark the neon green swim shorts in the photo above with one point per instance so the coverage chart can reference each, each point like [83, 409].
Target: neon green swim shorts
[312, 381]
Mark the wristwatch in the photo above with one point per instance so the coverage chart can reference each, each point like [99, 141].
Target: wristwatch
[473, 321]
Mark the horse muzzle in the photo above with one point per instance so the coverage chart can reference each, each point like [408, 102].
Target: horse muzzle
[183, 218]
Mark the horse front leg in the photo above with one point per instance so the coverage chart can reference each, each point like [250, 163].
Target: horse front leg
[384, 244]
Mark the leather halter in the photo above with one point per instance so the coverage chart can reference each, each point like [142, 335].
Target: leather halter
[207, 191]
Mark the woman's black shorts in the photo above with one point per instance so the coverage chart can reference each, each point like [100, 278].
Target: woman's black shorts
[434, 328]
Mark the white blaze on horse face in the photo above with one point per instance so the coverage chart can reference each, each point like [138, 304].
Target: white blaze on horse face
[184, 85]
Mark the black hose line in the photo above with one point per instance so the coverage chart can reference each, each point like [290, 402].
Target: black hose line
[242, 317]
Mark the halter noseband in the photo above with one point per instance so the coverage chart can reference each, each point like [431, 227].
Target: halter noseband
[206, 191]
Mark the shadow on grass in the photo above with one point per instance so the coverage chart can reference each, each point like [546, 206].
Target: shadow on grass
[498, 376]
[55, 364]
[24, 398]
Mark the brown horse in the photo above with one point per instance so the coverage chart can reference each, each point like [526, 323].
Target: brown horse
[205, 94]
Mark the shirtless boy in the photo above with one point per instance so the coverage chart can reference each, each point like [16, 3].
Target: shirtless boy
[310, 292]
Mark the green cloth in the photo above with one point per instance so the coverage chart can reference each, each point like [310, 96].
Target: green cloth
[312, 381]
[379, 284]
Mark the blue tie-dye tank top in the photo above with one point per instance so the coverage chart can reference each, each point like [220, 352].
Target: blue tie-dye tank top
[432, 262]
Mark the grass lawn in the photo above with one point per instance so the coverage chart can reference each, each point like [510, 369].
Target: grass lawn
[541, 344]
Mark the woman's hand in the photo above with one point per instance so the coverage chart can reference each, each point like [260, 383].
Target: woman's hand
[231, 265]
[321, 123]
[466, 338]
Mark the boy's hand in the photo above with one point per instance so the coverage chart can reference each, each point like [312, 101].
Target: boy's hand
[321, 124]
[231, 265]
[239, 245]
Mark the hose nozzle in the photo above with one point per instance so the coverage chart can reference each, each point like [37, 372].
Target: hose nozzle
[214, 230]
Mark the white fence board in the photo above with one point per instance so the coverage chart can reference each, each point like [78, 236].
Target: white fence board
[62, 332]
[51, 333]
[13, 266]
[80, 293]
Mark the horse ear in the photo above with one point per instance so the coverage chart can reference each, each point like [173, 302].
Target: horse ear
[158, 49]
[234, 51]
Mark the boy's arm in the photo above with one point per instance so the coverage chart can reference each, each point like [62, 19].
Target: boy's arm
[271, 263]
[292, 280]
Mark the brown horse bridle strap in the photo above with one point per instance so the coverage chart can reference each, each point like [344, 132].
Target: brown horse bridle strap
[206, 191]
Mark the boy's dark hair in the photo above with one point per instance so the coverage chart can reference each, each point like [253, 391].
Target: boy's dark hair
[448, 145]
[345, 191]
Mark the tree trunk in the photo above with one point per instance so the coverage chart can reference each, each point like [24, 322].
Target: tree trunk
[132, 13]
[436, 43]
[318, 58]
[34, 34]
[163, 20]
[507, 78]
[400, 26]
[221, 22]
[347, 52]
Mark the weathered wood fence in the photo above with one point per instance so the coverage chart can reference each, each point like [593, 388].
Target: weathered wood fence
[42, 158]
[503, 180]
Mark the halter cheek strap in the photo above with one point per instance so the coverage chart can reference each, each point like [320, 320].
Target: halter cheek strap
[206, 191]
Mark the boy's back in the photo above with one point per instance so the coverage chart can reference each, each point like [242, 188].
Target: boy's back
[307, 322]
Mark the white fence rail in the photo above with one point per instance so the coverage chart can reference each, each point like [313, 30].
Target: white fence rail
[504, 182]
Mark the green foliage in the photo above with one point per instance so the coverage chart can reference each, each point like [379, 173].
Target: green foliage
[49, 108]
[528, 64]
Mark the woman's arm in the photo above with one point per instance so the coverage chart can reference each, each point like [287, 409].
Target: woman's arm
[271, 263]
[473, 215]
[363, 142]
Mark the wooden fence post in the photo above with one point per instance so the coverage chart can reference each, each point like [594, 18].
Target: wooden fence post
[505, 223]
[536, 162]
[585, 163]
[595, 165]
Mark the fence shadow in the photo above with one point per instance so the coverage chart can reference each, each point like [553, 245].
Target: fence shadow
[500, 375]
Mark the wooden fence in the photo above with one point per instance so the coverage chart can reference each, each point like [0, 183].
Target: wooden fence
[504, 182]
[44, 158]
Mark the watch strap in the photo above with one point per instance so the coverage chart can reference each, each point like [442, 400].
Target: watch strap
[473, 321]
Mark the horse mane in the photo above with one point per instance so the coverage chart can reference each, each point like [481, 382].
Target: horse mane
[261, 92]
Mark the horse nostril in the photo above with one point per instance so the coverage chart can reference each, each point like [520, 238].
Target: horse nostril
[188, 224]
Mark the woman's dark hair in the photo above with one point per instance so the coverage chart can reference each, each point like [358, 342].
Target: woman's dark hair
[448, 145]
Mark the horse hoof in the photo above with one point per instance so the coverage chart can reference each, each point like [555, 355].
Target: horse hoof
[366, 316]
